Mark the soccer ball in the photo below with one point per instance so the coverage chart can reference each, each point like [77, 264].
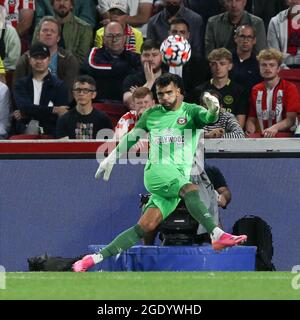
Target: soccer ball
[175, 51]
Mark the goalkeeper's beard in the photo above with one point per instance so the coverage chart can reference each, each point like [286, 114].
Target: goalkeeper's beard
[170, 105]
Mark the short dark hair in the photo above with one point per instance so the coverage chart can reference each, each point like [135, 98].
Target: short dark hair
[150, 44]
[167, 78]
[85, 79]
[245, 26]
[180, 21]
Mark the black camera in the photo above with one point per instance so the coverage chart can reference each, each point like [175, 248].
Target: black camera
[179, 229]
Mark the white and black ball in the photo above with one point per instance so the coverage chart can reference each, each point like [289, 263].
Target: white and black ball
[175, 51]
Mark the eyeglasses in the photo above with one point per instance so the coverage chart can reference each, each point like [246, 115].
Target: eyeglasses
[248, 38]
[83, 90]
[116, 37]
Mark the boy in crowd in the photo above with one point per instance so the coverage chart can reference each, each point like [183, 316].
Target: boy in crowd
[83, 122]
[142, 98]
[235, 97]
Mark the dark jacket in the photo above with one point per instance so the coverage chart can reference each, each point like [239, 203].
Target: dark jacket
[109, 71]
[53, 90]
[220, 32]
[195, 72]
[67, 67]
[158, 27]
[77, 37]
[265, 9]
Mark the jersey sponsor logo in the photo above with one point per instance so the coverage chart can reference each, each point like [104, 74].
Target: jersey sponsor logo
[228, 109]
[169, 139]
[182, 120]
[228, 99]
[264, 114]
[272, 114]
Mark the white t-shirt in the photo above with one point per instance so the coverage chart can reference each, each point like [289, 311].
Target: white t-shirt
[176, 70]
[33, 126]
[37, 91]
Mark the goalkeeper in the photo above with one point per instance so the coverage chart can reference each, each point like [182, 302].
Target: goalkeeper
[173, 128]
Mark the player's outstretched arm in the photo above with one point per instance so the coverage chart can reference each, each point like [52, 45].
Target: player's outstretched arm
[125, 144]
[106, 165]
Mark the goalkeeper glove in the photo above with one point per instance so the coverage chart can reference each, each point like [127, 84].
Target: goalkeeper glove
[211, 102]
[106, 166]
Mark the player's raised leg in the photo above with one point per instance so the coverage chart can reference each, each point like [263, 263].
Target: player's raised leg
[198, 210]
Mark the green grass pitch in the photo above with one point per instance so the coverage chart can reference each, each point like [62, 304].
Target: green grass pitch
[149, 286]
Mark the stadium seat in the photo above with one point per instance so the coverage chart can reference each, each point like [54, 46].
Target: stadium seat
[30, 137]
[114, 110]
[292, 75]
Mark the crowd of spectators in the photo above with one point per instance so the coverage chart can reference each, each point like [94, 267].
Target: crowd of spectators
[238, 50]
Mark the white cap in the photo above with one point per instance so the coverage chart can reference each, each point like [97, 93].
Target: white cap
[119, 4]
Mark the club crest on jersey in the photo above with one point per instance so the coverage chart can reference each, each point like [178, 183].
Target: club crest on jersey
[279, 100]
[228, 99]
[181, 120]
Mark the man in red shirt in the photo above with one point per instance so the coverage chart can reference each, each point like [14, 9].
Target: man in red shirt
[274, 102]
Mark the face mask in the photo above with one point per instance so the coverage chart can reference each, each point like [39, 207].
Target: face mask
[172, 9]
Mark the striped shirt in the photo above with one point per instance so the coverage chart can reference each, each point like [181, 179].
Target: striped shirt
[126, 124]
[13, 8]
[228, 122]
[269, 106]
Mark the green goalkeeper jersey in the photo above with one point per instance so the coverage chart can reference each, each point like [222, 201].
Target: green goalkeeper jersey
[173, 134]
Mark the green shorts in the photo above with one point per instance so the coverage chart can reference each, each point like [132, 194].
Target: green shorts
[164, 183]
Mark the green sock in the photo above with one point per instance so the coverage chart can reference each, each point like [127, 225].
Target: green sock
[198, 210]
[123, 241]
